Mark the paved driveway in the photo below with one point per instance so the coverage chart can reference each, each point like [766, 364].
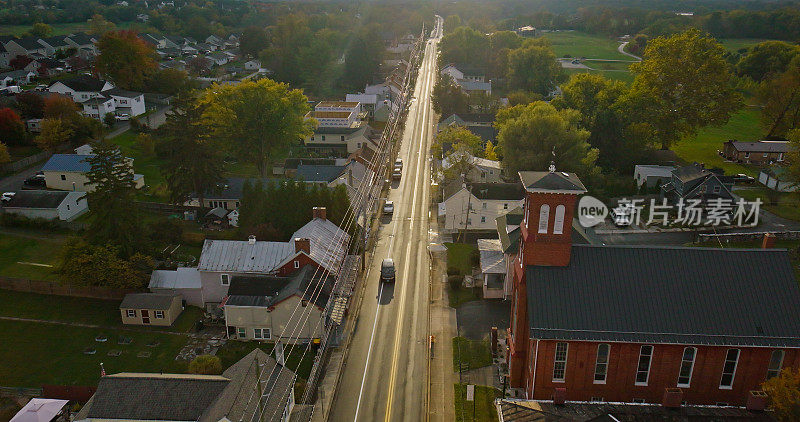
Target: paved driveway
[476, 318]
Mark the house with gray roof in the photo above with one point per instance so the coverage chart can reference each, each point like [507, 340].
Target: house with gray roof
[650, 176]
[49, 205]
[768, 151]
[27, 46]
[54, 44]
[260, 307]
[128, 396]
[150, 309]
[696, 182]
[473, 207]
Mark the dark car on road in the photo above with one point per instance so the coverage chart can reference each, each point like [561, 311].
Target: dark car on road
[34, 182]
[387, 271]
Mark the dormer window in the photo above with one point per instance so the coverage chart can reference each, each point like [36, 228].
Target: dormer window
[544, 217]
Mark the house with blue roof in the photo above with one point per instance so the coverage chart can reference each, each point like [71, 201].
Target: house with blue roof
[68, 172]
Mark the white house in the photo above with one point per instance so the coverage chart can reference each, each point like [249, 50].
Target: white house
[339, 139]
[252, 65]
[334, 119]
[50, 205]
[54, 44]
[348, 106]
[126, 102]
[777, 179]
[98, 107]
[651, 176]
[16, 77]
[100, 97]
[478, 169]
[466, 75]
[80, 88]
[475, 206]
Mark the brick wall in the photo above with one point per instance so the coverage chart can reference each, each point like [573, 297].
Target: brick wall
[665, 365]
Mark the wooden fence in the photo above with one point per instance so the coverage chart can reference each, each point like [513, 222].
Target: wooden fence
[55, 288]
[25, 162]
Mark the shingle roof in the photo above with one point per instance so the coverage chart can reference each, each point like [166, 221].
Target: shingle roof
[81, 38]
[29, 43]
[84, 83]
[264, 291]
[155, 396]
[675, 295]
[318, 173]
[691, 172]
[36, 199]
[146, 301]
[121, 93]
[57, 41]
[492, 260]
[509, 239]
[762, 146]
[239, 256]
[497, 191]
[551, 181]
[67, 162]
[233, 187]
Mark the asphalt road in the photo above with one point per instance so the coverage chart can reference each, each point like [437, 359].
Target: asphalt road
[385, 375]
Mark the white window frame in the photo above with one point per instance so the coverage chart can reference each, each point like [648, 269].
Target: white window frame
[241, 332]
[558, 224]
[158, 314]
[131, 313]
[544, 218]
[265, 333]
[691, 366]
[557, 361]
[296, 263]
[597, 363]
[639, 362]
[774, 372]
[733, 373]
[225, 279]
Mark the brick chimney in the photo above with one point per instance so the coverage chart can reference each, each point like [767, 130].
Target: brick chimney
[769, 241]
[320, 212]
[672, 398]
[302, 244]
[560, 396]
[756, 401]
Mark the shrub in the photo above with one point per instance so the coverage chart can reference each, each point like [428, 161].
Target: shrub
[205, 365]
[455, 281]
[20, 221]
[452, 270]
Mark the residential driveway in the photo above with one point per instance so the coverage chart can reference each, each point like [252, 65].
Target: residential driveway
[14, 182]
[476, 318]
[621, 49]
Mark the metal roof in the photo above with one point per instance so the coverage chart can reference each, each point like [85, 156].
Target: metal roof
[328, 242]
[677, 295]
[68, 162]
[492, 259]
[182, 278]
[239, 256]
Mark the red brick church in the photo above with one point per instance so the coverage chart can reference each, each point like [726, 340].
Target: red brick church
[636, 323]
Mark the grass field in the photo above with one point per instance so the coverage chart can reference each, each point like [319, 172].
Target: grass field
[81, 310]
[148, 165]
[580, 44]
[743, 126]
[39, 354]
[736, 44]
[785, 204]
[459, 257]
[482, 410]
[476, 353]
[18, 252]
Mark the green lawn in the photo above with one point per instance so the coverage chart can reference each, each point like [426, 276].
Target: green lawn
[786, 204]
[36, 354]
[459, 257]
[580, 44]
[476, 353]
[18, 253]
[482, 409]
[81, 310]
[462, 295]
[148, 165]
[743, 126]
[736, 44]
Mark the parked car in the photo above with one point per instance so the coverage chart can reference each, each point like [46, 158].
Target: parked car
[35, 181]
[387, 271]
[6, 196]
[388, 208]
[123, 117]
[41, 88]
[743, 178]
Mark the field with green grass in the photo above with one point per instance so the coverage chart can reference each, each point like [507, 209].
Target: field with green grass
[473, 353]
[144, 163]
[744, 126]
[482, 410]
[38, 353]
[580, 44]
[81, 310]
[784, 204]
[736, 44]
[460, 258]
[20, 253]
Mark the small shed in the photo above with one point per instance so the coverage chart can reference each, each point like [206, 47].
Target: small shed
[150, 309]
[50, 205]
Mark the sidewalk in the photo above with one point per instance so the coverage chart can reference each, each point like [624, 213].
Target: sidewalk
[441, 393]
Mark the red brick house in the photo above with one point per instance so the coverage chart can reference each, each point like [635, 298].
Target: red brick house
[760, 152]
[626, 323]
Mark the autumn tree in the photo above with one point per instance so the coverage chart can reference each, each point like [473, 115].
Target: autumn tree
[125, 59]
[55, 132]
[677, 100]
[194, 160]
[30, 105]
[41, 30]
[12, 130]
[98, 25]
[63, 108]
[533, 67]
[257, 121]
[83, 264]
[457, 146]
[205, 365]
[59, 106]
[490, 152]
[531, 134]
[169, 81]
[784, 394]
[114, 218]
